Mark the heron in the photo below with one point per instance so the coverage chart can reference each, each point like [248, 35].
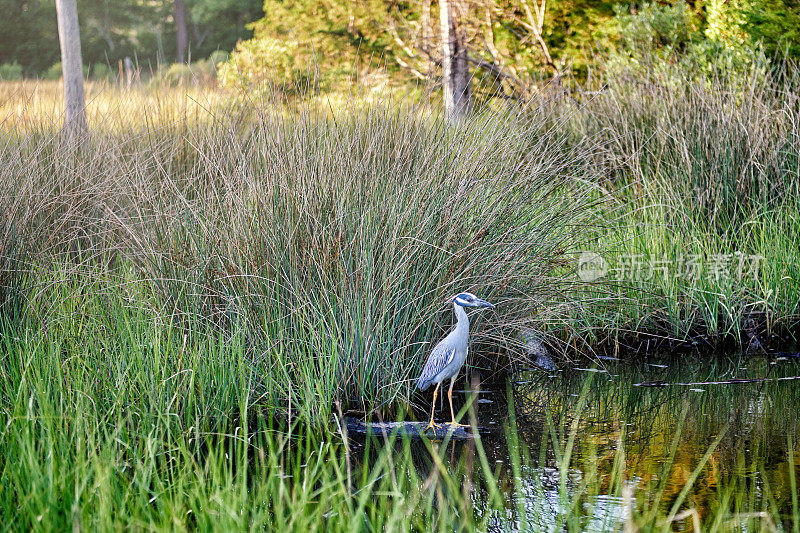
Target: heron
[449, 355]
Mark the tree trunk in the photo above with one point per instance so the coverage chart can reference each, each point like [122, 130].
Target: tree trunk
[427, 36]
[72, 68]
[455, 68]
[425, 22]
[180, 29]
[128, 72]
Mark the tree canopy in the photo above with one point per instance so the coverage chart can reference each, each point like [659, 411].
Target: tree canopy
[508, 39]
[113, 29]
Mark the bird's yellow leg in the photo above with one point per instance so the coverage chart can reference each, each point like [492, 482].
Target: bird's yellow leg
[452, 413]
[433, 408]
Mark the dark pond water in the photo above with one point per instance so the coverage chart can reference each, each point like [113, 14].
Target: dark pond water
[590, 447]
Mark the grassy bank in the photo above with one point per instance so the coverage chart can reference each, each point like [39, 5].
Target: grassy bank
[191, 292]
[703, 246]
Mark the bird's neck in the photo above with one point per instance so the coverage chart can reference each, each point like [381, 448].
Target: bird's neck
[461, 316]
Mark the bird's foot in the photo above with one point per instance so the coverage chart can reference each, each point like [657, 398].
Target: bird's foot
[432, 425]
[457, 425]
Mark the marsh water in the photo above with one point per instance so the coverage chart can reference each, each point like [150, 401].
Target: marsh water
[668, 441]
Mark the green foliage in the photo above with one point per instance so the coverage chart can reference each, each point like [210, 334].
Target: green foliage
[202, 72]
[724, 21]
[28, 34]
[220, 24]
[10, 71]
[579, 31]
[178, 74]
[114, 29]
[775, 23]
[670, 42]
[257, 62]
[296, 37]
[339, 35]
[101, 71]
[53, 73]
[709, 38]
[217, 58]
[661, 28]
[654, 40]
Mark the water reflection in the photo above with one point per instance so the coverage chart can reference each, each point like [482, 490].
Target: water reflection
[658, 438]
[593, 448]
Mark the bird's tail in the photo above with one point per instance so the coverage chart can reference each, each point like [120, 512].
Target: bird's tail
[422, 383]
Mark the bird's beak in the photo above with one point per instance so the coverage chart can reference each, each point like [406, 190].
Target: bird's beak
[484, 303]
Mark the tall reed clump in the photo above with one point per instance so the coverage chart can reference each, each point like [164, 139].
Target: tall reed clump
[335, 240]
[330, 240]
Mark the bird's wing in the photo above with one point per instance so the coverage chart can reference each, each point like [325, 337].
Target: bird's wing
[440, 357]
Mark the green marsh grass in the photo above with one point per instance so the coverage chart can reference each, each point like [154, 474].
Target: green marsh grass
[188, 294]
[131, 431]
[704, 171]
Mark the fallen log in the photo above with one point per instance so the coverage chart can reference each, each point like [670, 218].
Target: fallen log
[414, 430]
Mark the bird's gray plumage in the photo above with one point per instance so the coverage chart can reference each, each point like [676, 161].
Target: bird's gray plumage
[449, 354]
[440, 357]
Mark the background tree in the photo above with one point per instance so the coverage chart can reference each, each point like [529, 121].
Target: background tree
[456, 78]
[69, 37]
[514, 45]
[180, 30]
[305, 42]
[219, 24]
[775, 23]
[111, 30]
[28, 28]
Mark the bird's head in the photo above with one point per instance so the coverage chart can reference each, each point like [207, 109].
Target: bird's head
[467, 299]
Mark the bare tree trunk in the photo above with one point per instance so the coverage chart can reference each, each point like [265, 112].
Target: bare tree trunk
[455, 67]
[128, 72]
[427, 37]
[425, 23]
[180, 29]
[72, 68]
